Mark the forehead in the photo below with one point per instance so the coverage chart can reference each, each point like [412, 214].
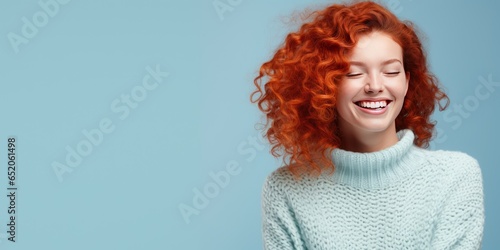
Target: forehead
[376, 46]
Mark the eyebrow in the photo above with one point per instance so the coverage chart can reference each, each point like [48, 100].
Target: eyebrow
[383, 63]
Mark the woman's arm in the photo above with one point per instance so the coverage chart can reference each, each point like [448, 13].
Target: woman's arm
[461, 223]
[279, 227]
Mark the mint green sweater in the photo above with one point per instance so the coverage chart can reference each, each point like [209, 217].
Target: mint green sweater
[402, 197]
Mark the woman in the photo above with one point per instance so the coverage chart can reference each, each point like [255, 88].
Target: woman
[348, 98]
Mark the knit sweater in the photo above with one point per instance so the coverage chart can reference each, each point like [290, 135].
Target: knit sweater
[401, 197]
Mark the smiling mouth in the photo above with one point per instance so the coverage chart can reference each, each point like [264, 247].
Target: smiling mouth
[373, 105]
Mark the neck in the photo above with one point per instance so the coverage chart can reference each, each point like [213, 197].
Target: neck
[381, 168]
[367, 141]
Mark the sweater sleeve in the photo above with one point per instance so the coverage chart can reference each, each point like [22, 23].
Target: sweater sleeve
[279, 227]
[461, 222]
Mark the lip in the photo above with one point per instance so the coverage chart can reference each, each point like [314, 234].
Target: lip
[374, 111]
[373, 100]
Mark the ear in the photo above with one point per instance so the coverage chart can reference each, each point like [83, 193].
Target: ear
[407, 81]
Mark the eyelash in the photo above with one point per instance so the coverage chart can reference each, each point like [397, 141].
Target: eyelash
[353, 75]
[389, 73]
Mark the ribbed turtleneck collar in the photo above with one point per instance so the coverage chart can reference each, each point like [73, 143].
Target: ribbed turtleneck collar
[377, 169]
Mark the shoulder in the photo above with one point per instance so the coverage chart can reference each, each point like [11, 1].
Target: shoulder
[280, 178]
[282, 181]
[452, 163]
[452, 158]
[275, 190]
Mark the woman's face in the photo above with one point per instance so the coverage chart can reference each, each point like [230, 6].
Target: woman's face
[371, 95]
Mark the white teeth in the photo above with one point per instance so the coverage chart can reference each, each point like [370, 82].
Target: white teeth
[373, 105]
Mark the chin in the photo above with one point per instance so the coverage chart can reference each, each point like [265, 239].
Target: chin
[377, 127]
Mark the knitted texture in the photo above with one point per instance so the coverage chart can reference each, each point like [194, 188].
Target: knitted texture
[402, 197]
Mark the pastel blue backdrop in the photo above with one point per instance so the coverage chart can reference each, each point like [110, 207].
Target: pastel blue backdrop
[171, 159]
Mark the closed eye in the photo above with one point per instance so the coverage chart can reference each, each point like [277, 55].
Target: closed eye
[353, 74]
[393, 73]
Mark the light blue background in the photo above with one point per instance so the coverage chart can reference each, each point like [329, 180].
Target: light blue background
[125, 194]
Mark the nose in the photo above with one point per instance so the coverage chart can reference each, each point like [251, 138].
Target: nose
[374, 84]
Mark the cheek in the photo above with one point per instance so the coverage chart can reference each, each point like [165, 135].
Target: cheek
[346, 92]
[403, 85]
[401, 92]
[342, 99]
[343, 102]
[398, 88]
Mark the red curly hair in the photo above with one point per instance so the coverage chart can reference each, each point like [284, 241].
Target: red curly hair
[302, 77]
